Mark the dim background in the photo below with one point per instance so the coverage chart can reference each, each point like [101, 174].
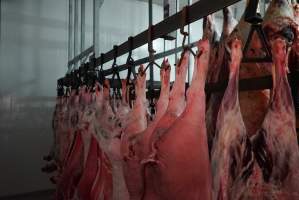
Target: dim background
[33, 55]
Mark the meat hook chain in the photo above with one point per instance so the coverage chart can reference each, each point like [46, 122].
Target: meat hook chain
[152, 62]
[116, 91]
[130, 62]
[151, 50]
[101, 76]
[131, 70]
[184, 20]
[91, 72]
[60, 88]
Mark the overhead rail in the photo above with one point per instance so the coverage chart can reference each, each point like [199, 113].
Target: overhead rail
[147, 59]
[82, 55]
[195, 12]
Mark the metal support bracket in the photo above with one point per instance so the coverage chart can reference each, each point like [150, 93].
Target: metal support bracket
[255, 19]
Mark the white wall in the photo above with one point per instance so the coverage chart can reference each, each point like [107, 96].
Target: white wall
[33, 54]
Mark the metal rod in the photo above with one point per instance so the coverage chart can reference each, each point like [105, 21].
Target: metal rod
[82, 43]
[248, 84]
[70, 33]
[83, 54]
[96, 26]
[176, 37]
[147, 59]
[189, 64]
[150, 43]
[86, 52]
[196, 11]
[76, 25]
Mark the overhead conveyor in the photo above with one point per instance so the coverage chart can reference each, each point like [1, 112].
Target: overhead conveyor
[193, 13]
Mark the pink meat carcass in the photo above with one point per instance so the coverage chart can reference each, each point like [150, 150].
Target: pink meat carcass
[218, 71]
[100, 182]
[109, 141]
[176, 105]
[278, 20]
[143, 142]
[90, 165]
[74, 120]
[89, 171]
[64, 131]
[72, 171]
[181, 167]
[231, 156]
[137, 122]
[275, 143]
[123, 109]
[138, 144]
[102, 187]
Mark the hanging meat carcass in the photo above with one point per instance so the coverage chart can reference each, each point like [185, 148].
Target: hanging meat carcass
[180, 168]
[253, 103]
[91, 144]
[71, 119]
[104, 115]
[73, 156]
[85, 124]
[231, 156]
[123, 109]
[294, 63]
[137, 123]
[103, 186]
[143, 142]
[96, 165]
[138, 144]
[72, 170]
[218, 65]
[278, 20]
[90, 170]
[65, 129]
[75, 109]
[210, 32]
[275, 143]
[76, 176]
[110, 176]
[176, 104]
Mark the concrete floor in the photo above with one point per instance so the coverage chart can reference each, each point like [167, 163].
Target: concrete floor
[38, 195]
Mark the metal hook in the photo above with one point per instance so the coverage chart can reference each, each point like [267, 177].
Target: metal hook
[131, 70]
[102, 61]
[151, 51]
[184, 20]
[183, 23]
[60, 87]
[115, 72]
[101, 77]
[130, 61]
[115, 50]
[150, 44]
[130, 42]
